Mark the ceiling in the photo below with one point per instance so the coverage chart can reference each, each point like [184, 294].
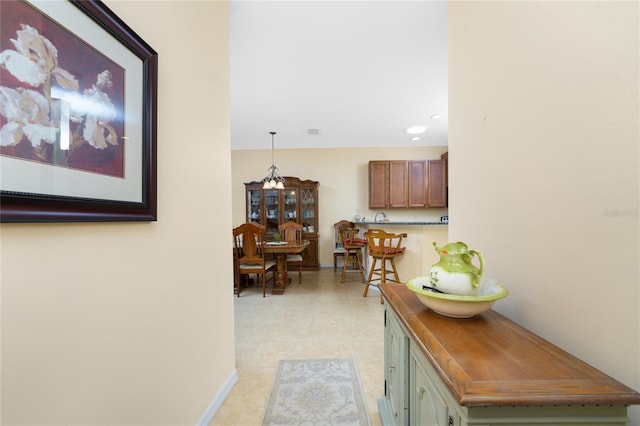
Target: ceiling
[326, 74]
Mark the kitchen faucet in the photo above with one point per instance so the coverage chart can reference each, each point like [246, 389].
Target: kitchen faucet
[384, 216]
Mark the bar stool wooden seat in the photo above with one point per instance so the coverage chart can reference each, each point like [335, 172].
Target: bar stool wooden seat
[384, 248]
[352, 246]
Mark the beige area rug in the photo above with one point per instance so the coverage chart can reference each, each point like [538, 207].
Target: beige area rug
[316, 392]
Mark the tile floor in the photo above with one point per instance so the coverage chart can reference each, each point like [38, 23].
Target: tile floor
[320, 318]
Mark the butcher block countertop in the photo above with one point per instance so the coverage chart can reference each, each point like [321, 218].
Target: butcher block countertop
[489, 360]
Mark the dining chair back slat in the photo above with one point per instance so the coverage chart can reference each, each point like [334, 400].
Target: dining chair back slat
[249, 255]
[291, 232]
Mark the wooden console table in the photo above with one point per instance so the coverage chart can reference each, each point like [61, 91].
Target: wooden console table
[486, 370]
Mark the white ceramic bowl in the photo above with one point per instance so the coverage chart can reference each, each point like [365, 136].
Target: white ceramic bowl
[456, 306]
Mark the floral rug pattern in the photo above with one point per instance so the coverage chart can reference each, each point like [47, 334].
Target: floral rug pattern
[316, 392]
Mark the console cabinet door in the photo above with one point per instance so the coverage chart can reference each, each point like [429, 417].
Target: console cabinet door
[397, 372]
[394, 405]
[428, 407]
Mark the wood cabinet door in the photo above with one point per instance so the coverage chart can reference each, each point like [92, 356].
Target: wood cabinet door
[436, 181]
[417, 183]
[378, 184]
[398, 183]
[310, 255]
[407, 184]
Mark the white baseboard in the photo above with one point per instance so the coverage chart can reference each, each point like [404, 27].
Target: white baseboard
[217, 401]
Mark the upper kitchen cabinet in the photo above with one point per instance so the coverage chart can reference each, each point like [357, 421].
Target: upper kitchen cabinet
[437, 183]
[388, 183]
[378, 184]
[417, 183]
[407, 184]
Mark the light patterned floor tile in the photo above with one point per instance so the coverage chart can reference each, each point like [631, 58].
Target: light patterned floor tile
[320, 318]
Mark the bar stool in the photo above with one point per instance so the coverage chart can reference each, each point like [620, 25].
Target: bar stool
[352, 246]
[384, 248]
[339, 251]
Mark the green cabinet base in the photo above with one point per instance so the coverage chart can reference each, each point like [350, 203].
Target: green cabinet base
[384, 408]
[424, 366]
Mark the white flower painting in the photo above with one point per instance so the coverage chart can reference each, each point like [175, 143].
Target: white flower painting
[61, 102]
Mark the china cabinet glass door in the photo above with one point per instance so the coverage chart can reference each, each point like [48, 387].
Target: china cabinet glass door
[290, 205]
[253, 205]
[271, 207]
[308, 210]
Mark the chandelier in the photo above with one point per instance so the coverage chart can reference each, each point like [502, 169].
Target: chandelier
[273, 180]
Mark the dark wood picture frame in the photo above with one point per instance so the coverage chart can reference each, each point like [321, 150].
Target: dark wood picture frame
[40, 206]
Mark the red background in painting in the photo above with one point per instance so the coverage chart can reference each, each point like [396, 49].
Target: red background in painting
[84, 63]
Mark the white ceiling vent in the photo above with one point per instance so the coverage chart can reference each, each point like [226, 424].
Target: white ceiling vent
[313, 132]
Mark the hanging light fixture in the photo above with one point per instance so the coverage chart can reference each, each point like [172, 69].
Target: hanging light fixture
[273, 180]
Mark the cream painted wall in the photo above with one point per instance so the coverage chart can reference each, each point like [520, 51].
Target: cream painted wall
[343, 193]
[544, 167]
[120, 323]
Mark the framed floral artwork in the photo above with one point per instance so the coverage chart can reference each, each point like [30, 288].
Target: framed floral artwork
[78, 93]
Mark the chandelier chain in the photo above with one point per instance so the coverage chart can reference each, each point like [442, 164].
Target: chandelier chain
[273, 180]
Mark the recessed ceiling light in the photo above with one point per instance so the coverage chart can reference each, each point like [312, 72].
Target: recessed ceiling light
[415, 138]
[436, 116]
[416, 130]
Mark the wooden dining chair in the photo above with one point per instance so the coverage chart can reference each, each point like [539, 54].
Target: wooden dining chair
[291, 232]
[249, 255]
[384, 248]
[352, 245]
[338, 250]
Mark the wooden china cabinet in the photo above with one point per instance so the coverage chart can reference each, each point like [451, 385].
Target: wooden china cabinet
[298, 202]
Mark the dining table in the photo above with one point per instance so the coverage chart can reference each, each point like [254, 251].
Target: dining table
[280, 250]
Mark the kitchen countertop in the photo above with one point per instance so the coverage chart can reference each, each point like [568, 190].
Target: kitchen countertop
[398, 222]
